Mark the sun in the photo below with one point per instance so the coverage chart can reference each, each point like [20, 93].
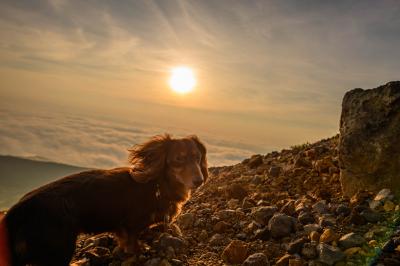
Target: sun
[182, 79]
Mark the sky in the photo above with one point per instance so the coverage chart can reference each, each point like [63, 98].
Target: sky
[81, 81]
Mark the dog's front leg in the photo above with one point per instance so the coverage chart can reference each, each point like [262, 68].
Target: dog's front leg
[128, 241]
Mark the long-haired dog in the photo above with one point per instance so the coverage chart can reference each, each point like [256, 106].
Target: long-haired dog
[42, 228]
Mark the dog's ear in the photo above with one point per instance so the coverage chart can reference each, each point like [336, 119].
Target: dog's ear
[203, 150]
[149, 159]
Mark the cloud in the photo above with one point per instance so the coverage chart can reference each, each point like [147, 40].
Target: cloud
[93, 142]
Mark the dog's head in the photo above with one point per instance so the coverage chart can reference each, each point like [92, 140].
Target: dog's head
[183, 160]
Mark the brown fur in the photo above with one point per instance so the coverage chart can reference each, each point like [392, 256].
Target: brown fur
[44, 224]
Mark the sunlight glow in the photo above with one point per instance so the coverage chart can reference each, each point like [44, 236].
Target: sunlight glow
[182, 79]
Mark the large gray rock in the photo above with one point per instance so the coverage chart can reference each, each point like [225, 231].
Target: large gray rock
[369, 148]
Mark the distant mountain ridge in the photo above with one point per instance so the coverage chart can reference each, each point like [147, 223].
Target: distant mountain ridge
[20, 175]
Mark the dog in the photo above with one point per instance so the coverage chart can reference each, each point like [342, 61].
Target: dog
[43, 226]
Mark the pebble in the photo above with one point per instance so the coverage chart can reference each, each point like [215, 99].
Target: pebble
[343, 210]
[306, 218]
[255, 161]
[383, 194]
[236, 191]
[314, 236]
[263, 234]
[389, 206]
[281, 225]
[312, 227]
[371, 215]
[235, 252]
[309, 251]
[329, 254]
[351, 240]
[256, 259]
[262, 214]
[186, 220]
[296, 246]
[274, 171]
[216, 240]
[351, 251]
[328, 236]
[320, 207]
[221, 226]
[284, 260]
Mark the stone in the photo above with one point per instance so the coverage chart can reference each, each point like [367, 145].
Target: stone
[274, 171]
[236, 191]
[295, 262]
[281, 225]
[235, 252]
[302, 162]
[216, 240]
[284, 260]
[320, 207]
[262, 214]
[343, 210]
[327, 220]
[288, 208]
[227, 214]
[351, 240]
[371, 216]
[389, 206]
[314, 236]
[329, 254]
[203, 236]
[247, 203]
[373, 243]
[296, 246]
[263, 234]
[352, 251]
[369, 139]
[156, 262]
[306, 218]
[176, 243]
[309, 251]
[221, 226]
[186, 220]
[255, 161]
[383, 195]
[176, 262]
[256, 259]
[328, 236]
[233, 203]
[308, 228]
[389, 246]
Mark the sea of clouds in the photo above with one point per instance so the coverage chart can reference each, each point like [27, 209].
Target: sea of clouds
[95, 141]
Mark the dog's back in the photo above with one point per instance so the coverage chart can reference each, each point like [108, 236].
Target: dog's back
[44, 224]
[4, 248]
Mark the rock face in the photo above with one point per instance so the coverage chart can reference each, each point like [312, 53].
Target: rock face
[370, 139]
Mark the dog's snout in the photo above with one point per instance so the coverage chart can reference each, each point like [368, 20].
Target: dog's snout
[198, 181]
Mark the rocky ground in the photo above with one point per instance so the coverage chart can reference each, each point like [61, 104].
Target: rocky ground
[283, 208]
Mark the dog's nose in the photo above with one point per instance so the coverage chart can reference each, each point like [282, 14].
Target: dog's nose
[198, 181]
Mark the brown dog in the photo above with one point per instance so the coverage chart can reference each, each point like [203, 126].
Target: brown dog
[43, 226]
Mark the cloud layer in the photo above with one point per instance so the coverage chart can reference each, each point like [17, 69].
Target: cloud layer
[93, 142]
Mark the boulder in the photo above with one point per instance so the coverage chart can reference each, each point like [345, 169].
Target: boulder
[370, 139]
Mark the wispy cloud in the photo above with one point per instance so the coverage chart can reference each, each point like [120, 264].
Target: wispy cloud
[274, 69]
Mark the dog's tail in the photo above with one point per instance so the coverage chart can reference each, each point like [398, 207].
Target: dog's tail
[5, 257]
